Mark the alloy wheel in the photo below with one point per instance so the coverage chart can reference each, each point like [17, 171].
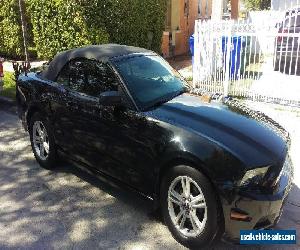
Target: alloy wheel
[187, 207]
[40, 140]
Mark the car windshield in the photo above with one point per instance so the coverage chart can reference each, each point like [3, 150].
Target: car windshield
[150, 80]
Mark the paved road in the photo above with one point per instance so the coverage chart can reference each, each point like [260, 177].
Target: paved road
[69, 208]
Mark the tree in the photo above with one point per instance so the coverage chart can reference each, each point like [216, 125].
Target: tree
[11, 34]
[257, 4]
[24, 26]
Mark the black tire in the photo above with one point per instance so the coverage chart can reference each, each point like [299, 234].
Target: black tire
[207, 236]
[51, 159]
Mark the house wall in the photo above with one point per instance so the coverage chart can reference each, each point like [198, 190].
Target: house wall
[176, 12]
[205, 9]
[165, 44]
[175, 41]
[234, 9]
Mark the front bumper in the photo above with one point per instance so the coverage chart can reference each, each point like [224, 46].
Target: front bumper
[263, 208]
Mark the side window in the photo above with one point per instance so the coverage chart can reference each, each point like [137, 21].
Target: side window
[100, 78]
[63, 77]
[86, 76]
[78, 75]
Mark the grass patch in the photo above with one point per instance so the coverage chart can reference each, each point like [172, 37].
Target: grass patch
[9, 85]
[189, 78]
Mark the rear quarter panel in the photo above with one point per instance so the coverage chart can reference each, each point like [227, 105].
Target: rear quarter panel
[31, 96]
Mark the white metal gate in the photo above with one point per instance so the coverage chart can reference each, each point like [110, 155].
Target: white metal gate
[262, 62]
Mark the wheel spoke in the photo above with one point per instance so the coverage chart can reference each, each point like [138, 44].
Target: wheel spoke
[46, 147]
[195, 227]
[39, 129]
[38, 139]
[198, 202]
[201, 205]
[42, 150]
[175, 197]
[195, 221]
[185, 184]
[188, 187]
[179, 215]
[182, 221]
[43, 130]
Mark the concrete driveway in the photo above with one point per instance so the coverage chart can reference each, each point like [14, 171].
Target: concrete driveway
[69, 208]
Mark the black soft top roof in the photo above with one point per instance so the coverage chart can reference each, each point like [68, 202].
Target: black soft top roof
[98, 52]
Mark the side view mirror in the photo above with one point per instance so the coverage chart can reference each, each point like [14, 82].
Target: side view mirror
[110, 98]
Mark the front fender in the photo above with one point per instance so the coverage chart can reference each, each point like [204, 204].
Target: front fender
[220, 166]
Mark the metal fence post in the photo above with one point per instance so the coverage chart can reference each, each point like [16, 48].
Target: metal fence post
[196, 62]
[227, 61]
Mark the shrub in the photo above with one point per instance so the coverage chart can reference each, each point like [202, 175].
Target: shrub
[135, 22]
[59, 25]
[10, 29]
[9, 85]
[257, 4]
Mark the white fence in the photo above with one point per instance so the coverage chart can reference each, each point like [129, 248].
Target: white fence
[248, 59]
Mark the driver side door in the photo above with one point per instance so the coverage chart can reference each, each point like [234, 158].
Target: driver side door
[107, 138]
[89, 122]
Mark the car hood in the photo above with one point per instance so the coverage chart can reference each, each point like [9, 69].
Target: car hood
[251, 136]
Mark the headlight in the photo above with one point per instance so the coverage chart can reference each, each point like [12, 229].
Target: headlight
[254, 176]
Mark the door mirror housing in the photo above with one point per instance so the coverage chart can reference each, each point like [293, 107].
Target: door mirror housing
[110, 98]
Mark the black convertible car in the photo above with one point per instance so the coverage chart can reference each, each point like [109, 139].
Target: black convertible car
[212, 168]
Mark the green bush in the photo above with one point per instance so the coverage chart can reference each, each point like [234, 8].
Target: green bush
[10, 29]
[11, 40]
[57, 25]
[257, 4]
[9, 85]
[136, 22]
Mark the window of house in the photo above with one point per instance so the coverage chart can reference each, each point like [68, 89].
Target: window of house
[89, 77]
